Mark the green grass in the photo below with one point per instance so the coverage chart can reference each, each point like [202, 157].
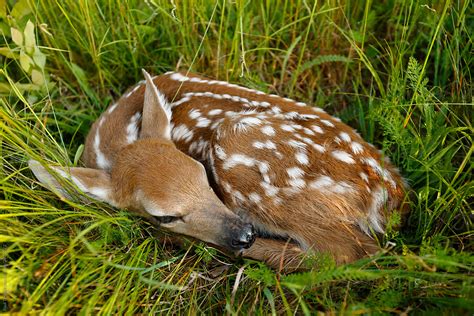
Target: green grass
[398, 71]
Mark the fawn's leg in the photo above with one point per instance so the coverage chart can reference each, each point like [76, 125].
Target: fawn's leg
[278, 254]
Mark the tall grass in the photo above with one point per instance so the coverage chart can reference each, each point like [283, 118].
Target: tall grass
[398, 71]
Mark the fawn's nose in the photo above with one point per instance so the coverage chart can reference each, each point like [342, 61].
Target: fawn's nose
[244, 238]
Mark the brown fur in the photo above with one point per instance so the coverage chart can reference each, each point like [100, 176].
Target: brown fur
[314, 220]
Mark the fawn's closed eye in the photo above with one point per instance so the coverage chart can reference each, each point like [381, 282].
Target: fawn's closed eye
[167, 219]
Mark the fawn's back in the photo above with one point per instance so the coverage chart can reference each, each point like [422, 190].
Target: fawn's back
[293, 171]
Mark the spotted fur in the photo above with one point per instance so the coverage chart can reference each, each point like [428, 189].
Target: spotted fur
[293, 170]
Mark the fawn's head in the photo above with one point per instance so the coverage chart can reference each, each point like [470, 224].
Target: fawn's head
[153, 178]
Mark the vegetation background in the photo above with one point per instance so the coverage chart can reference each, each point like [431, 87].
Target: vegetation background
[398, 71]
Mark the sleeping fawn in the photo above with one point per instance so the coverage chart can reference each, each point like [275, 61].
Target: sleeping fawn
[262, 176]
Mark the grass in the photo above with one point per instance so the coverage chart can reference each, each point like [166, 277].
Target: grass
[398, 71]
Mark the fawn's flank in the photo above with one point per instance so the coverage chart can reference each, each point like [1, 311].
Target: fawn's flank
[283, 178]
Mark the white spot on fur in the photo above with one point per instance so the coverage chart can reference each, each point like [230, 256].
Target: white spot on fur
[227, 187]
[237, 99]
[132, 128]
[307, 131]
[319, 148]
[321, 183]
[194, 114]
[297, 183]
[307, 140]
[317, 129]
[277, 200]
[200, 147]
[302, 158]
[214, 112]
[246, 122]
[132, 91]
[327, 184]
[239, 196]
[327, 123]
[287, 128]
[220, 153]
[295, 172]
[216, 123]
[263, 168]
[308, 116]
[384, 173]
[343, 156]
[276, 110]
[203, 122]
[268, 130]
[112, 108]
[266, 145]
[341, 187]
[375, 219]
[238, 159]
[252, 121]
[180, 101]
[181, 132]
[296, 144]
[178, 77]
[193, 147]
[269, 189]
[319, 110]
[292, 115]
[373, 164]
[364, 176]
[101, 161]
[356, 148]
[255, 197]
[345, 137]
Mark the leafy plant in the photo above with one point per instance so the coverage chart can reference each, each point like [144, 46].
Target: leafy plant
[29, 55]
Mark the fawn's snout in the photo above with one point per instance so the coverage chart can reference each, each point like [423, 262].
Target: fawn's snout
[208, 219]
[241, 237]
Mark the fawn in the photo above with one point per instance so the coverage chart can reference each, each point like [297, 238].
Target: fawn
[286, 178]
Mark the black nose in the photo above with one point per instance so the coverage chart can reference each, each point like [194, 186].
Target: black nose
[244, 238]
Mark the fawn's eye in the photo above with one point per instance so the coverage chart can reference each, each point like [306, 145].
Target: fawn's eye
[167, 219]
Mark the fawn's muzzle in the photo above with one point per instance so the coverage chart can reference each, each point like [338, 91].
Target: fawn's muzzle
[242, 237]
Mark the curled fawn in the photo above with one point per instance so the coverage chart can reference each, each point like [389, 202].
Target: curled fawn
[286, 178]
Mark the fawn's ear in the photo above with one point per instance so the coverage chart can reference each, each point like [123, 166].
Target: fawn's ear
[156, 119]
[93, 182]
